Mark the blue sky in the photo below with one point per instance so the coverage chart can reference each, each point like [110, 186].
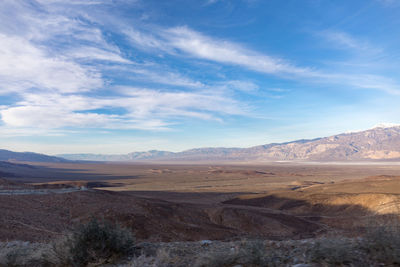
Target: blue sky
[105, 76]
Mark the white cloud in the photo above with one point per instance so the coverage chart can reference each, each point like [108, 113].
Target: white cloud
[370, 81]
[144, 109]
[24, 66]
[93, 53]
[159, 75]
[73, 2]
[344, 40]
[146, 41]
[201, 46]
[49, 60]
[51, 117]
[58, 84]
[184, 40]
[206, 104]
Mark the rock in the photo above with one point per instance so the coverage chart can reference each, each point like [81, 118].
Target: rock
[205, 242]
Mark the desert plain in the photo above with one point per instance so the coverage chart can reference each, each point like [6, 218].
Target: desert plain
[186, 202]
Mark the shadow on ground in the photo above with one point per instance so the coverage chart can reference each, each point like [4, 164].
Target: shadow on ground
[182, 217]
[40, 174]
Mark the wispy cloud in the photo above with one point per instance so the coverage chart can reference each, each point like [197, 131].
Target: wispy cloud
[185, 41]
[63, 69]
[201, 46]
[24, 66]
[93, 53]
[73, 2]
[210, 2]
[144, 109]
[343, 40]
[360, 68]
[62, 85]
[159, 75]
[390, 3]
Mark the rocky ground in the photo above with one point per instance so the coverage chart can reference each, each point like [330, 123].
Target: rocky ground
[326, 251]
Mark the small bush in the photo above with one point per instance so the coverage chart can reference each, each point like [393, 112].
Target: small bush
[382, 243]
[250, 253]
[333, 251]
[256, 253]
[18, 253]
[14, 256]
[94, 242]
[218, 259]
[142, 261]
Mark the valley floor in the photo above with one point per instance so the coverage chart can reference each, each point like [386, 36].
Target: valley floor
[289, 205]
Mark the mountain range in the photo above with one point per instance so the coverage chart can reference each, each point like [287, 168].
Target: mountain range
[6, 155]
[379, 143]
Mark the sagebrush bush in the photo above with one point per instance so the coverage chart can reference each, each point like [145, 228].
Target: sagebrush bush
[333, 251]
[382, 243]
[217, 259]
[162, 258]
[250, 253]
[19, 253]
[94, 242]
[256, 253]
[100, 240]
[15, 256]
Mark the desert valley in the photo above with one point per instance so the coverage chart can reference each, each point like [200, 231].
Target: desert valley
[199, 133]
[193, 201]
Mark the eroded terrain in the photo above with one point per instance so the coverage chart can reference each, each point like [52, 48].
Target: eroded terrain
[195, 202]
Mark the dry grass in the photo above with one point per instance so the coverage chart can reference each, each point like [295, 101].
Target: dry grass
[249, 253]
[17, 253]
[334, 251]
[380, 247]
[382, 240]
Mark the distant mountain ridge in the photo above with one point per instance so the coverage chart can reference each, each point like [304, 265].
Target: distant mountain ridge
[123, 157]
[379, 143]
[6, 155]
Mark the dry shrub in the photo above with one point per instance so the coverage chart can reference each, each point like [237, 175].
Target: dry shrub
[19, 253]
[95, 242]
[163, 258]
[250, 253]
[218, 259]
[382, 241]
[15, 257]
[334, 251]
[142, 261]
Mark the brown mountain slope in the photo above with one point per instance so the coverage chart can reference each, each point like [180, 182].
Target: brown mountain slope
[379, 143]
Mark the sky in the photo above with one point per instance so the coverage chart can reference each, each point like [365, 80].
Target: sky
[117, 76]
